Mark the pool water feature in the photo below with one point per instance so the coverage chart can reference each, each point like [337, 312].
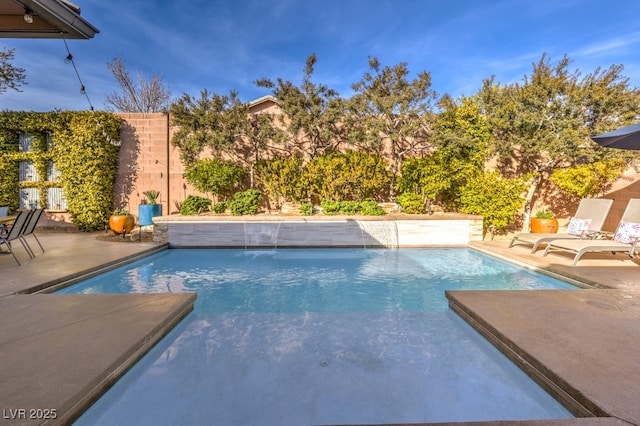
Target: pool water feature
[320, 336]
[260, 234]
[379, 233]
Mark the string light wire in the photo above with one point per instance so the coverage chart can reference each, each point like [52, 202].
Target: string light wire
[69, 59]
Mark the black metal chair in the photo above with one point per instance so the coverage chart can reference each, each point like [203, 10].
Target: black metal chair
[15, 233]
[29, 229]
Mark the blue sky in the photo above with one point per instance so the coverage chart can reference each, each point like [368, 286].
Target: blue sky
[223, 45]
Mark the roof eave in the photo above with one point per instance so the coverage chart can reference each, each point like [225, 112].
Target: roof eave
[61, 19]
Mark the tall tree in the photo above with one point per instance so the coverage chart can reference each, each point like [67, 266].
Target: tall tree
[461, 138]
[250, 135]
[390, 110]
[201, 123]
[546, 121]
[11, 77]
[312, 112]
[147, 95]
[225, 125]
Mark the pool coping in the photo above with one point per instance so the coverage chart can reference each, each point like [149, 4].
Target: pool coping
[541, 331]
[508, 332]
[60, 354]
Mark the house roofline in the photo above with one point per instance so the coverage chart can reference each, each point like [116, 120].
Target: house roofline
[262, 100]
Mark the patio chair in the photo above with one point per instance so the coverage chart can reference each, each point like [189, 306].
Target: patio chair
[624, 240]
[591, 212]
[15, 232]
[29, 229]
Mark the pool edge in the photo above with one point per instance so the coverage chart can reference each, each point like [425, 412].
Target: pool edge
[136, 353]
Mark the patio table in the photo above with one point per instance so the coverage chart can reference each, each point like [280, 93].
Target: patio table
[7, 219]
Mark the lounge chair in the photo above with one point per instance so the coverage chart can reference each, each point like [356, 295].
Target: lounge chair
[29, 229]
[15, 232]
[625, 239]
[593, 210]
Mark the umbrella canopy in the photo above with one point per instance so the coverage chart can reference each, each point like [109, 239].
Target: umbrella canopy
[624, 138]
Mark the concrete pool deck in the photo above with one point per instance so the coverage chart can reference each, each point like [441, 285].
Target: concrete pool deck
[59, 352]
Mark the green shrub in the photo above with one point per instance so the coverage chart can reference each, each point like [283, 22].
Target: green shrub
[371, 208]
[352, 176]
[216, 176]
[220, 207]
[495, 197]
[282, 179]
[306, 209]
[368, 208]
[349, 207]
[589, 180]
[438, 177]
[330, 207]
[411, 203]
[245, 203]
[195, 205]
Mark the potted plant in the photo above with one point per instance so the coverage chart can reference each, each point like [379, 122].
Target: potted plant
[544, 223]
[121, 222]
[149, 208]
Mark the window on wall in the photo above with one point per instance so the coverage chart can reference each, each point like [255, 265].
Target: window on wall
[30, 195]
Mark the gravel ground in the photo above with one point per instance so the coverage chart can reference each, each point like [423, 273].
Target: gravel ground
[133, 237]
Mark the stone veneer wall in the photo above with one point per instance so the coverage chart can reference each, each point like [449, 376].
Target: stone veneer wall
[255, 232]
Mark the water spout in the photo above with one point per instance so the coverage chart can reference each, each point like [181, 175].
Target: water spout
[260, 234]
[379, 233]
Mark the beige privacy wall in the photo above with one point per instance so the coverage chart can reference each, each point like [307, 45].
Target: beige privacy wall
[149, 161]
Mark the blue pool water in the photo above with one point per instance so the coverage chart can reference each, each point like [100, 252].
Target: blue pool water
[320, 336]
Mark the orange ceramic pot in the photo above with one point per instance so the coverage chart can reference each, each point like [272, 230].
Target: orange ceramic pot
[122, 225]
[544, 226]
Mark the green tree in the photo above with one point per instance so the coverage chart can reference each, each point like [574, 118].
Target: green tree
[312, 112]
[251, 135]
[461, 138]
[225, 125]
[390, 111]
[202, 123]
[545, 122]
[11, 77]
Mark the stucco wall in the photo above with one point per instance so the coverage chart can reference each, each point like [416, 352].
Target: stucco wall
[148, 161]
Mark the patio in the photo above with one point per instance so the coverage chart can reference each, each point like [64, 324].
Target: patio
[60, 352]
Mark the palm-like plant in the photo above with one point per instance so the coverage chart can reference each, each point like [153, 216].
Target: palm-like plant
[152, 196]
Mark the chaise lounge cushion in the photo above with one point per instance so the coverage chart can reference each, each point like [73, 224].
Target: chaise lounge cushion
[627, 232]
[578, 227]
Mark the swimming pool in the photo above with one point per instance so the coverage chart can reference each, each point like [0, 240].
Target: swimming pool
[320, 336]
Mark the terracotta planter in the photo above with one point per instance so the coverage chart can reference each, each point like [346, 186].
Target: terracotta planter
[122, 225]
[544, 226]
